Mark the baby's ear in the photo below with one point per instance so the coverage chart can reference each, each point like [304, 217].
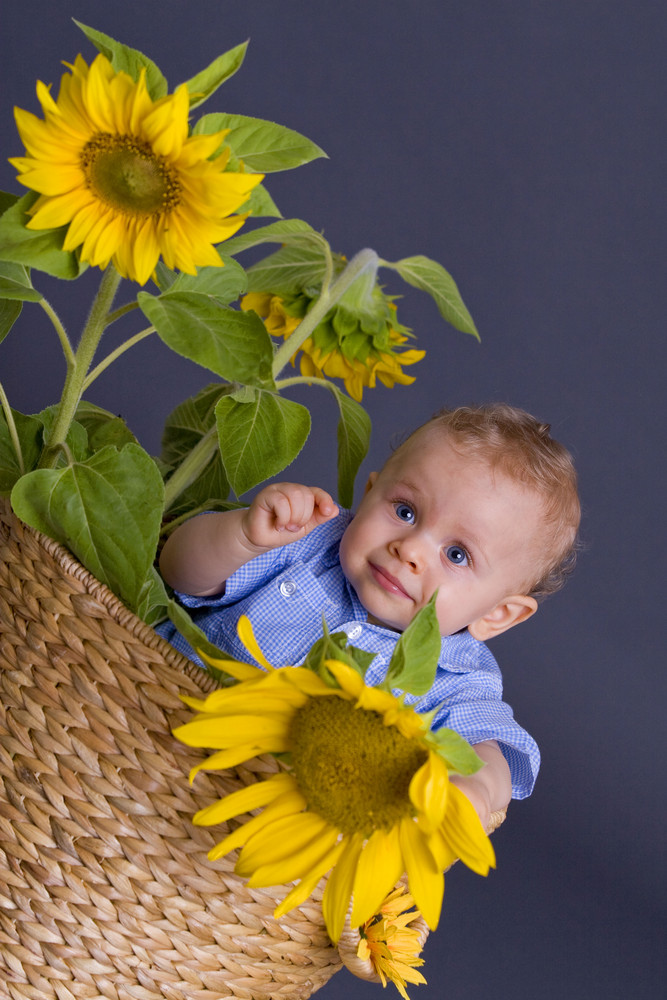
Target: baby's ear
[370, 482]
[511, 611]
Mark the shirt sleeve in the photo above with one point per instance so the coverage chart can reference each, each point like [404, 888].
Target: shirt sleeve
[469, 701]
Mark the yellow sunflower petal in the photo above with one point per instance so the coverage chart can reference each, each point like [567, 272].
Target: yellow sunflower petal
[247, 637]
[340, 884]
[426, 880]
[379, 869]
[242, 801]
[429, 790]
[300, 893]
[290, 802]
[464, 834]
[293, 838]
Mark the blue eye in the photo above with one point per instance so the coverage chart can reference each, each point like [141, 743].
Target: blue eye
[456, 555]
[404, 512]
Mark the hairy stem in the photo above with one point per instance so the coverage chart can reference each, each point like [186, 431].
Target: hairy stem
[110, 358]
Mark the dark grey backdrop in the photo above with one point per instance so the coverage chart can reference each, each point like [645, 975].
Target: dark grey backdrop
[522, 144]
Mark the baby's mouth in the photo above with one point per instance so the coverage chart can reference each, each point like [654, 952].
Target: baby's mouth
[387, 581]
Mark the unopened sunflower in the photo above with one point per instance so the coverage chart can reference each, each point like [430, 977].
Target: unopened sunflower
[357, 341]
[367, 797]
[121, 171]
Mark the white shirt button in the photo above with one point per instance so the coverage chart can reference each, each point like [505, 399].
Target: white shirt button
[287, 588]
[355, 632]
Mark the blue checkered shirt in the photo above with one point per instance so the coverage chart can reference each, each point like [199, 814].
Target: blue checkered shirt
[285, 593]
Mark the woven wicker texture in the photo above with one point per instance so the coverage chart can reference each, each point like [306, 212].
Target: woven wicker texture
[105, 887]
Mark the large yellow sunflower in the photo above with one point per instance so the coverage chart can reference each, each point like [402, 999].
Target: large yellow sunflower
[122, 172]
[366, 797]
[342, 350]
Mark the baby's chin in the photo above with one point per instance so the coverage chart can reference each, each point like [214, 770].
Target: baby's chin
[372, 620]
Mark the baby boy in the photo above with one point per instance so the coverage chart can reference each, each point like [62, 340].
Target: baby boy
[479, 504]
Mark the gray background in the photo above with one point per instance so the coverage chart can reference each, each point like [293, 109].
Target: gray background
[523, 146]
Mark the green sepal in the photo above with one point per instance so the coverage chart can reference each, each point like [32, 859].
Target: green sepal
[260, 434]
[334, 646]
[127, 60]
[203, 84]
[456, 752]
[426, 274]
[106, 511]
[39, 248]
[264, 146]
[415, 658]
[232, 344]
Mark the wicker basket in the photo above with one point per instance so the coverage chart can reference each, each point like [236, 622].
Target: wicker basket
[105, 887]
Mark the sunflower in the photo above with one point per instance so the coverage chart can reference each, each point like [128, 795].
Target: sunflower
[367, 796]
[391, 941]
[358, 348]
[120, 170]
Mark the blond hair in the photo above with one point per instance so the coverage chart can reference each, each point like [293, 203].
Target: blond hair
[522, 448]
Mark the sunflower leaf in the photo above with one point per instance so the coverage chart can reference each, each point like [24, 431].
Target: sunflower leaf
[289, 270]
[260, 434]
[286, 231]
[10, 310]
[415, 658]
[233, 344]
[222, 283]
[40, 248]
[201, 86]
[127, 60]
[334, 646]
[29, 435]
[431, 277]
[354, 432]
[15, 283]
[260, 204]
[106, 511]
[263, 146]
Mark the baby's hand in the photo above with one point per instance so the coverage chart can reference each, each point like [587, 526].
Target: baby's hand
[284, 512]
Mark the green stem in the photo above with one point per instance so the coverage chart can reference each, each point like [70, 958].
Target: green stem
[77, 368]
[121, 311]
[11, 426]
[365, 260]
[60, 330]
[192, 465]
[110, 358]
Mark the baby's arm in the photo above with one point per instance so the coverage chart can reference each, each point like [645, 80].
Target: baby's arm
[203, 552]
[490, 789]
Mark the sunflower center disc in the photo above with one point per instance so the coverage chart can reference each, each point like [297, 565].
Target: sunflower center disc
[354, 771]
[128, 176]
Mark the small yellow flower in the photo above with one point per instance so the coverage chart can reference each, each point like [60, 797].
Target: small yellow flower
[340, 347]
[391, 942]
[120, 170]
[366, 797]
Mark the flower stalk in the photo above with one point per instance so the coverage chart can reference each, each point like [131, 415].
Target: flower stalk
[79, 365]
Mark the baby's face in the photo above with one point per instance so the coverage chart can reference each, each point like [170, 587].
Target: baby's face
[436, 519]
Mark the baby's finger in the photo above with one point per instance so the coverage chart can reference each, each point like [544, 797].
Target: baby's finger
[325, 508]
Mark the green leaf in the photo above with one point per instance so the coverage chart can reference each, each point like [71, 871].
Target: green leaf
[201, 86]
[415, 657]
[354, 432]
[76, 440]
[184, 429]
[335, 647]
[262, 145]
[289, 270]
[285, 231]
[40, 248]
[259, 204]
[7, 199]
[234, 345]
[15, 283]
[10, 310]
[455, 751]
[103, 428]
[106, 511]
[29, 433]
[259, 434]
[197, 639]
[222, 283]
[431, 277]
[127, 60]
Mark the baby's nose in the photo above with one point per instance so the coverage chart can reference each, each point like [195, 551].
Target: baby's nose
[409, 549]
